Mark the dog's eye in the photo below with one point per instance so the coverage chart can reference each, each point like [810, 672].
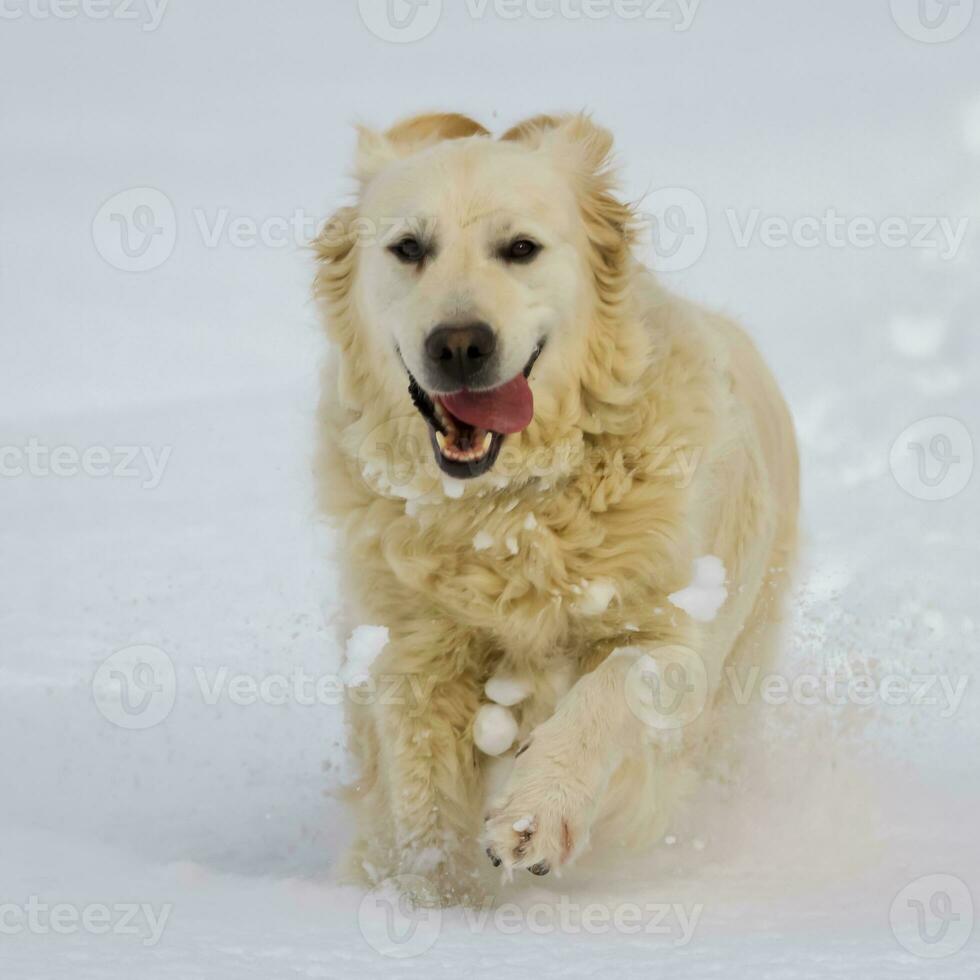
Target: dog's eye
[408, 250]
[521, 250]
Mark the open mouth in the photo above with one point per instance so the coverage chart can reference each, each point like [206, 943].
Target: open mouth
[467, 428]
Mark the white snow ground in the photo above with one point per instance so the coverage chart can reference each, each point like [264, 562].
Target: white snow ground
[822, 859]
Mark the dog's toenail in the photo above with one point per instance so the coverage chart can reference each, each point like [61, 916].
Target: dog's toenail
[494, 860]
[541, 868]
[522, 750]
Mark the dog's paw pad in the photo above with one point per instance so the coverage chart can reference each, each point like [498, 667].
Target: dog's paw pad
[537, 843]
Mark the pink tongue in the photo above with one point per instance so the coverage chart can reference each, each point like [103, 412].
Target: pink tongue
[506, 409]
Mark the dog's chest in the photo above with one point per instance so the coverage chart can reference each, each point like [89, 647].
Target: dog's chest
[519, 568]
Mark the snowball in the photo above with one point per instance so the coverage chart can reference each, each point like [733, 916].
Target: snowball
[363, 647]
[706, 594]
[506, 690]
[494, 729]
[452, 488]
[523, 825]
[482, 540]
[530, 522]
[512, 545]
[596, 597]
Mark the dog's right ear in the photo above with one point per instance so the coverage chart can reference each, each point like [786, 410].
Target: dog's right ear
[377, 150]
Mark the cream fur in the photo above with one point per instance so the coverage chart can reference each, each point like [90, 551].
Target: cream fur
[659, 436]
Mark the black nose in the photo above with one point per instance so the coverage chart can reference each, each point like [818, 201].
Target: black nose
[460, 352]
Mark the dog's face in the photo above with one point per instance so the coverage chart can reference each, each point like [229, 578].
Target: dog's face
[473, 266]
[473, 272]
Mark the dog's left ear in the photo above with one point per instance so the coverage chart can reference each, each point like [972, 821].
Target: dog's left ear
[579, 144]
[375, 150]
[588, 146]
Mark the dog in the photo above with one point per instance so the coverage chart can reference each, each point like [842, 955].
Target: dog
[531, 448]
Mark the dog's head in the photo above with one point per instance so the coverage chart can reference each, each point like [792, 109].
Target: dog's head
[470, 277]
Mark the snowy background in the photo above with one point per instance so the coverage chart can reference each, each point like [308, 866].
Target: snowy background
[852, 849]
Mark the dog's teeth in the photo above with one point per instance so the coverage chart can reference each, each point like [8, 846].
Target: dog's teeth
[441, 441]
[487, 439]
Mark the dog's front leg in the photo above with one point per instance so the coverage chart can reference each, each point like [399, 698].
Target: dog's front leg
[543, 816]
[431, 779]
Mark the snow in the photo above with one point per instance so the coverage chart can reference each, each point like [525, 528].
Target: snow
[820, 851]
[494, 729]
[454, 489]
[706, 594]
[363, 648]
[507, 690]
[919, 337]
[596, 597]
[482, 540]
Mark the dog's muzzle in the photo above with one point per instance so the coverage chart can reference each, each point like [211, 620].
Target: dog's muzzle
[467, 427]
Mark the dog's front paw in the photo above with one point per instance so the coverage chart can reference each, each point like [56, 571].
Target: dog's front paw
[541, 820]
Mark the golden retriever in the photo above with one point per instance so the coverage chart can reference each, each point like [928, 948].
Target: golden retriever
[532, 448]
